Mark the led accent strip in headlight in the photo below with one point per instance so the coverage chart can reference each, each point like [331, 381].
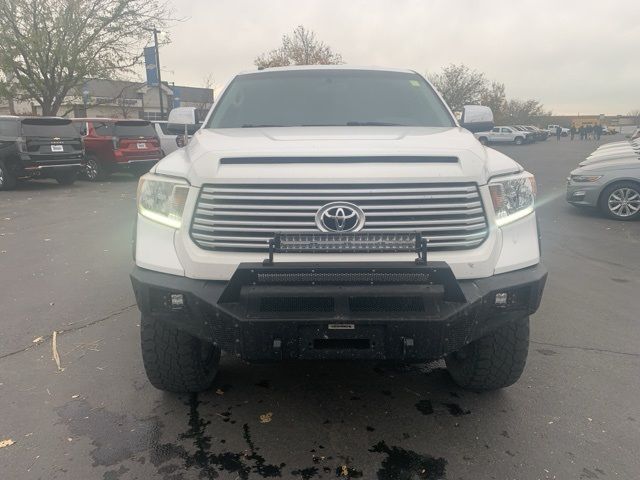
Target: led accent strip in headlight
[513, 197]
[162, 199]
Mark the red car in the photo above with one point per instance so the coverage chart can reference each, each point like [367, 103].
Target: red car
[113, 145]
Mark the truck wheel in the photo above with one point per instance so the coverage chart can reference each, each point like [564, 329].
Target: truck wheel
[176, 361]
[518, 141]
[7, 179]
[483, 140]
[66, 178]
[621, 201]
[494, 361]
[94, 170]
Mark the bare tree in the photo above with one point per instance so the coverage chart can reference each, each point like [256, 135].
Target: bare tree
[123, 100]
[299, 48]
[635, 113]
[460, 85]
[48, 47]
[521, 112]
[495, 98]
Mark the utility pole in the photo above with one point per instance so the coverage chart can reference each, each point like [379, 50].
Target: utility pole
[155, 39]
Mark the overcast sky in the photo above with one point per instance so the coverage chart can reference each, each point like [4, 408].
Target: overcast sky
[573, 56]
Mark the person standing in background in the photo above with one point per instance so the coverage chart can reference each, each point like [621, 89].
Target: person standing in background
[573, 131]
[558, 132]
[581, 130]
[598, 131]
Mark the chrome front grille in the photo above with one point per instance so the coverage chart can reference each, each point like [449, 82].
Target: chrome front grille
[236, 217]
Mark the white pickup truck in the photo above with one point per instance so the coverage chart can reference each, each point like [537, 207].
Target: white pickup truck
[553, 130]
[336, 212]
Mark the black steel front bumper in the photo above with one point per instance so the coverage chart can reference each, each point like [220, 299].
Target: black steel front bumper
[396, 311]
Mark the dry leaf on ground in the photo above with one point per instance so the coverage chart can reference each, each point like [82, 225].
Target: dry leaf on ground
[266, 418]
[6, 443]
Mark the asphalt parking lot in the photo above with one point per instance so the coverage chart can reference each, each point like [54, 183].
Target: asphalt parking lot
[64, 264]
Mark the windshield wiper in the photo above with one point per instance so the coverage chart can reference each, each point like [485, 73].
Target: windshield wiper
[374, 124]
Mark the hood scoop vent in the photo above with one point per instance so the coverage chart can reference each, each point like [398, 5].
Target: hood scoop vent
[357, 159]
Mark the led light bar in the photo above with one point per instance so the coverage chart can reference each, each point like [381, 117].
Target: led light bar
[347, 243]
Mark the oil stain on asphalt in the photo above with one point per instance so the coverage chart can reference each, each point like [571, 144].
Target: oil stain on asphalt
[117, 438]
[401, 464]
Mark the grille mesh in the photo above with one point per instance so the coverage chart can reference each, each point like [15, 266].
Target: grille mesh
[241, 217]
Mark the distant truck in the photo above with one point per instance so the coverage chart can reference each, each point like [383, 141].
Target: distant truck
[553, 128]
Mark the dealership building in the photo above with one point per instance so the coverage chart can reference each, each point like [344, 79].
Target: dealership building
[119, 99]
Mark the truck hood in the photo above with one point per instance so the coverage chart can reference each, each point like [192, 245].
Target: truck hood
[260, 155]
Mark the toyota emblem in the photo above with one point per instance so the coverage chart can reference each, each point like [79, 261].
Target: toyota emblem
[340, 217]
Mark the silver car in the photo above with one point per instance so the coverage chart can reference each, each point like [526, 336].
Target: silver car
[612, 185]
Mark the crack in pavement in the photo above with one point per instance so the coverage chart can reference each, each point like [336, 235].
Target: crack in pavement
[68, 330]
[588, 349]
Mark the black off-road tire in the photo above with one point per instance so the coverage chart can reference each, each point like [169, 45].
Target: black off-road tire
[176, 361]
[7, 178]
[66, 178]
[518, 141]
[494, 361]
[483, 140]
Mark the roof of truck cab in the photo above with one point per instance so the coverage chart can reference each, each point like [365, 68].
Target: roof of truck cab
[325, 67]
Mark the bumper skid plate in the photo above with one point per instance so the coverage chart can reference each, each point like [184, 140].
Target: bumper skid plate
[398, 311]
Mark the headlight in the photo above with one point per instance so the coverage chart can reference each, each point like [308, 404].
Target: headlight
[513, 197]
[585, 178]
[162, 199]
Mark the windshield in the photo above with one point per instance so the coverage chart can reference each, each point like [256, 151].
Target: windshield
[329, 98]
[133, 129]
[45, 127]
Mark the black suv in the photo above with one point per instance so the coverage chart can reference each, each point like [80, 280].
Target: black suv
[39, 147]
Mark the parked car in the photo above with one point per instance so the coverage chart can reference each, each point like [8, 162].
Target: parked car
[539, 134]
[612, 185]
[611, 154]
[38, 147]
[311, 221]
[504, 134]
[118, 145]
[629, 144]
[552, 129]
[531, 136]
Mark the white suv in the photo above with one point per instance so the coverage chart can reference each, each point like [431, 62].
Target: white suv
[335, 212]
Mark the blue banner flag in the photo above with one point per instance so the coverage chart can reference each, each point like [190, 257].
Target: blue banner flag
[176, 97]
[151, 66]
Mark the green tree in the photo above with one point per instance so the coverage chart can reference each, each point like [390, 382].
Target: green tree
[49, 47]
[300, 48]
